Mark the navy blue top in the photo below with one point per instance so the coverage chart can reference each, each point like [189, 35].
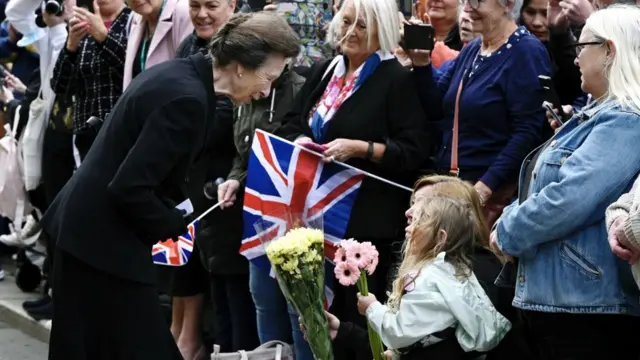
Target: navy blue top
[500, 114]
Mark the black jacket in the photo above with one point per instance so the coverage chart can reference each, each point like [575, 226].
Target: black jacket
[192, 45]
[121, 200]
[386, 109]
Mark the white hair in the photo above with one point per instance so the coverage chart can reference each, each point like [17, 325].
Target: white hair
[383, 12]
[515, 11]
[620, 24]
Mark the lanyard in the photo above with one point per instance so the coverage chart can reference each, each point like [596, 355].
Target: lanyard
[146, 42]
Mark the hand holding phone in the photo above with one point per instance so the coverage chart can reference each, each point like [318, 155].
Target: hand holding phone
[419, 37]
[551, 96]
[552, 116]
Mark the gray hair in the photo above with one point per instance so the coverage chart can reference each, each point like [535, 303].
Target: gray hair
[515, 11]
[250, 38]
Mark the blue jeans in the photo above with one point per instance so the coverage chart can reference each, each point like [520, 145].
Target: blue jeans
[276, 319]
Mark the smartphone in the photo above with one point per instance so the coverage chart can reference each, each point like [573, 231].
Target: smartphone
[419, 37]
[87, 4]
[551, 96]
[553, 113]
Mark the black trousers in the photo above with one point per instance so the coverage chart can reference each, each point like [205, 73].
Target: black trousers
[235, 314]
[562, 336]
[57, 168]
[98, 316]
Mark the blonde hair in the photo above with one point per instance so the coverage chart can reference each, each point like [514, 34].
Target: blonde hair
[455, 188]
[457, 219]
[620, 24]
[384, 13]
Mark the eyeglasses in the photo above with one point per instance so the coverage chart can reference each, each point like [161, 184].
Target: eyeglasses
[581, 45]
[475, 4]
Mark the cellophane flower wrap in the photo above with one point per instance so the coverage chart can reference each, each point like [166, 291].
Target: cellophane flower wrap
[354, 260]
[298, 261]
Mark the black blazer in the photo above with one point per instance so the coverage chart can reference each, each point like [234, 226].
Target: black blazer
[386, 109]
[121, 200]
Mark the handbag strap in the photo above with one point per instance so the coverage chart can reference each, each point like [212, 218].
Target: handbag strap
[16, 120]
[454, 169]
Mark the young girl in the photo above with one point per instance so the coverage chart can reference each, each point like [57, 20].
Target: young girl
[437, 308]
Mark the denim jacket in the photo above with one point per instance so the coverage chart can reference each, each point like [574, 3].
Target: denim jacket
[559, 232]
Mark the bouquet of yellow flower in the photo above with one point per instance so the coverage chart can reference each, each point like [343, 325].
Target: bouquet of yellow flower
[298, 261]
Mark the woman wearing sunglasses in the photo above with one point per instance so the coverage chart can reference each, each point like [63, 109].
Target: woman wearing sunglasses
[486, 108]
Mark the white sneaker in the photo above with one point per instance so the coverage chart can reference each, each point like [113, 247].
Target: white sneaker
[27, 237]
[1, 274]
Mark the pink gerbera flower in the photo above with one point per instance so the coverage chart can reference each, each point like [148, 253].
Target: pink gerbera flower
[359, 255]
[374, 262]
[340, 256]
[347, 273]
[371, 255]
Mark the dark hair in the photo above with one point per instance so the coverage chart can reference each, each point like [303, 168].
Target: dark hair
[250, 38]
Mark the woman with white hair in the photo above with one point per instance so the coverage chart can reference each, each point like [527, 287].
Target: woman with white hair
[487, 106]
[578, 298]
[362, 108]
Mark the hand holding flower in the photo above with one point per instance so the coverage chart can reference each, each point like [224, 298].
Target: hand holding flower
[364, 302]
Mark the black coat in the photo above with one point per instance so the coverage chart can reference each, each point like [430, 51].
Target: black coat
[121, 200]
[386, 109]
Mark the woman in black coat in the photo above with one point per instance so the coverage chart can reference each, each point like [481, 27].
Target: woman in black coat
[189, 283]
[363, 108]
[122, 199]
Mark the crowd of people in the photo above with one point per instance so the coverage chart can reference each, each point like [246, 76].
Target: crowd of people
[518, 241]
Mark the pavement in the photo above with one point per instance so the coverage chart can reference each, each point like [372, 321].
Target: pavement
[13, 316]
[16, 345]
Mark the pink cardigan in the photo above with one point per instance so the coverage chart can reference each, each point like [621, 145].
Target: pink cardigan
[173, 27]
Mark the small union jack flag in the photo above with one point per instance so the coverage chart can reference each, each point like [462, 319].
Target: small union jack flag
[283, 178]
[175, 253]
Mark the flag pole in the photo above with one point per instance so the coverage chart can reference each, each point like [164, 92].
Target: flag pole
[208, 211]
[389, 182]
[364, 172]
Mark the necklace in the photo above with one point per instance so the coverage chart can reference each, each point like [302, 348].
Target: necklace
[480, 54]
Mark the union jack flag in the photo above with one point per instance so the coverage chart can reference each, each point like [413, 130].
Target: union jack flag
[175, 253]
[283, 178]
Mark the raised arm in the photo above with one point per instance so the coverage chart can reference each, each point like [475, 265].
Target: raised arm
[407, 147]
